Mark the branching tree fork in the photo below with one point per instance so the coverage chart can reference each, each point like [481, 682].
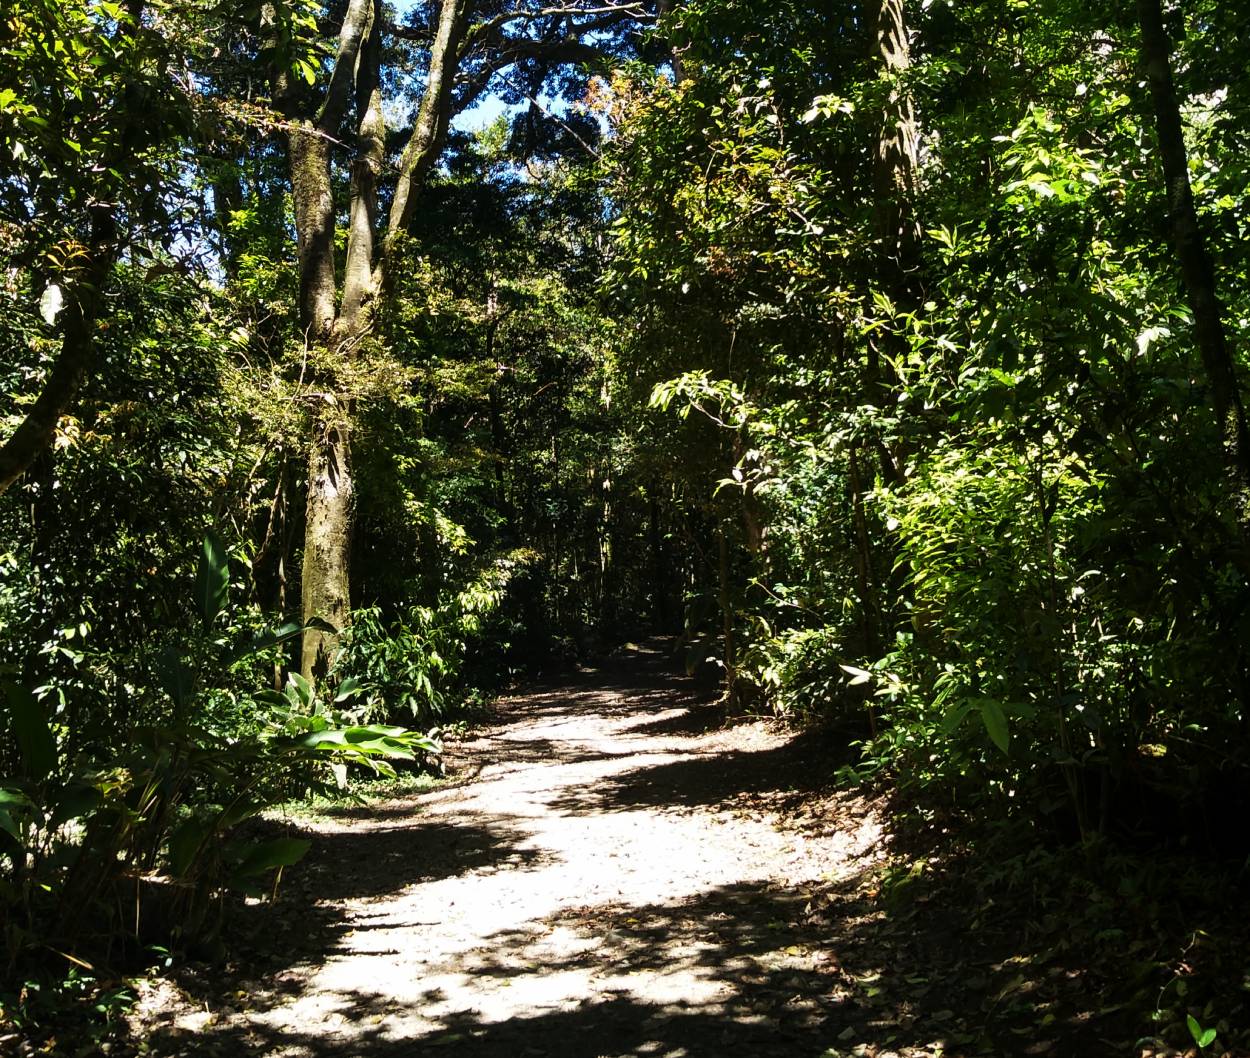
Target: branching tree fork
[469, 44]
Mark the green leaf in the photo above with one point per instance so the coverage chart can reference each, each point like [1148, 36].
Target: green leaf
[1202, 1037]
[280, 852]
[14, 797]
[9, 825]
[184, 843]
[347, 689]
[265, 640]
[302, 688]
[995, 723]
[34, 737]
[177, 678]
[857, 675]
[954, 717]
[76, 800]
[243, 808]
[212, 581]
[1195, 1030]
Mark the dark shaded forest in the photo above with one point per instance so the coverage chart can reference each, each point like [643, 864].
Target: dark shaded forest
[362, 361]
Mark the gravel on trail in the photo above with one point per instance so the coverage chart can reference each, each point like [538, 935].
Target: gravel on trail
[610, 872]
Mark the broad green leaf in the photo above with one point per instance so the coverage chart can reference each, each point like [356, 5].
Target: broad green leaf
[9, 825]
[76, 800]
[14, 797]
[265, 640]
[348, 688]
[212, 581]
[280, 852]
[242, 809]
[1202, 1037]
[34, 736]
[995, 723]
[857, 675]
[176, 676]
[954, 717]
[302, 688]
[184, 843]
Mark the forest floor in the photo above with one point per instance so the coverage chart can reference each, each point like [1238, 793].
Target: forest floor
[610, 872]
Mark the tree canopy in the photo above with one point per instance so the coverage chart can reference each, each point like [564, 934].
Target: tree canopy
[887, 357]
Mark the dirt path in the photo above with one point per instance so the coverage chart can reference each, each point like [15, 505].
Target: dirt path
[608, 881]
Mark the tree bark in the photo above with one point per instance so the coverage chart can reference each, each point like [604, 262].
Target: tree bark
[1196, 267]
[313, 200]
[895, 161]
[79, 315]
[664, 8]
[729, 650]
[329, 517]
[330, 505]
[429, 131]
[329, 511]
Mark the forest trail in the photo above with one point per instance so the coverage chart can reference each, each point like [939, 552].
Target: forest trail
[610, 879]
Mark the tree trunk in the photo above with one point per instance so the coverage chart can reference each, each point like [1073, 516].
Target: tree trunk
[897, 232]
[327, 543]
[328, 514]
[895, 162]
[314, 226]
[664, 9]
[330, 507]
[433, 116]
[729, 651]
[864, 562]
[1197, 270]
[660, 613]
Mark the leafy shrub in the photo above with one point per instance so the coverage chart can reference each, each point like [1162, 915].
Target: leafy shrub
[153, 822]
[415, 666]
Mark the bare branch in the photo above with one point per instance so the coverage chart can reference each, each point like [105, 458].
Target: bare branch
[433, 116]
[634, 10]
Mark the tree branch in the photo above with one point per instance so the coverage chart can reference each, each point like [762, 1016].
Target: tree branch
[78, 324]
[356, 25]
[433, 116]
[635, 10]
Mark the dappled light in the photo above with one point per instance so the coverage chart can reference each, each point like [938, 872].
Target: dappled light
[549, 904]
[603, 888]
[624, 528]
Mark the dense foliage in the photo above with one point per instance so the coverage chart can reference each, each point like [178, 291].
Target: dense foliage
[888, 356]
[982, 500]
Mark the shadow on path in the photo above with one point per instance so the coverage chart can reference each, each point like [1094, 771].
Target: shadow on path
[776, 963]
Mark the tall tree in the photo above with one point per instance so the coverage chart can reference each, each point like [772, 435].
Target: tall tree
[1194, 260]
[464, 57]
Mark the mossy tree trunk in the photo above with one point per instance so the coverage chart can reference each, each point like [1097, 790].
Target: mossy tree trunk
[335, 326]
[335, 322]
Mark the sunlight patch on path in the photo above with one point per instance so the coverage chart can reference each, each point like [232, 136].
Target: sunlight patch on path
[596, 881]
